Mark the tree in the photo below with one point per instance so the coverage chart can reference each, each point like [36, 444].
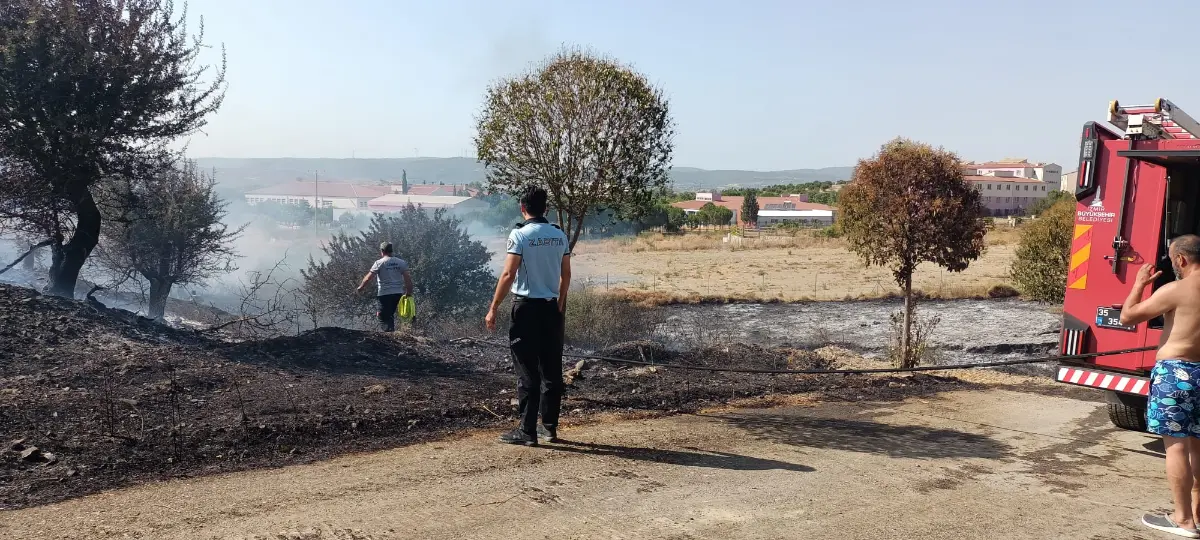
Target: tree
[451, 277]
[750, 208]
[907, 205]
[592, 132]
[87, 88]
[676, 219]
[1040, 269]
[711, 214]
[1052, 198]
[166, 228]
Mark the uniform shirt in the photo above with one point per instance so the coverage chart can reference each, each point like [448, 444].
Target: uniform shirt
[542, 247]
[389, 275]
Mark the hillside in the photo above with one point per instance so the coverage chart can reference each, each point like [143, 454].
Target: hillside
[257, 172]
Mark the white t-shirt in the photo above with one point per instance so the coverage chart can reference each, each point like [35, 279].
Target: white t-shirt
[389, 275]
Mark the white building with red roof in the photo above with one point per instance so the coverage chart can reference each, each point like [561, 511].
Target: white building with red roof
[771, 210]
[1008, 195]
[1050, 173]
[339, 195]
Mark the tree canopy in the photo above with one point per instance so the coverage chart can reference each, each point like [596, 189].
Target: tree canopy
[451, 277]
[88, 88]
[750, 207]
[909, 205]
[594, 133]
[165, 229]
[1040, 268]
[1041, 205]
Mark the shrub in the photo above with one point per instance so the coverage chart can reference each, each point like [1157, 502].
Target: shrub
[832, 231]
[1003, 291]
[596, 320]
[921, 350]
[450, 271]
[1040, 268]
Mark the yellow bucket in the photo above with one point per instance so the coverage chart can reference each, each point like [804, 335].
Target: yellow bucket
[406, 309]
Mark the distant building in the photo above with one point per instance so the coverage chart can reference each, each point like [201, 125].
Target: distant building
[394, 202]
[1068, 182]
[1005, 195]
[772, 210]
[1050, 173]
[339, 195]
[453, 190]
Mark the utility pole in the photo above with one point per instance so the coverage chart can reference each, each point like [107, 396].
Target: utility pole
[316, 204]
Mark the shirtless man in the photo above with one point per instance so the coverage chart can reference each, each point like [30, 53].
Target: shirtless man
[1174, 407]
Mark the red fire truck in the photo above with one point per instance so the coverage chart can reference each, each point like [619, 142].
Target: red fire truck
[1138, 187]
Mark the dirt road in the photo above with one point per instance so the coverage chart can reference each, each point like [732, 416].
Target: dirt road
[962, 465]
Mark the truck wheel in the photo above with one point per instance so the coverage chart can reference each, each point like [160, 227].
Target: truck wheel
[1127, 411]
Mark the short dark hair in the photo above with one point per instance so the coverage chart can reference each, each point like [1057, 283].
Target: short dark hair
[533, 200]
[1187, 245]
[385, 248]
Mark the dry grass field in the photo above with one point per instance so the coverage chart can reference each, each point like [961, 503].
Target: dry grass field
[706, 267]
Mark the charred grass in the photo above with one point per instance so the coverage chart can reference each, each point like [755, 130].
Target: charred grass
[92, 399]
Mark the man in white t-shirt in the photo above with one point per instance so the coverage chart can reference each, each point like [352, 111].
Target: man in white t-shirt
[393, 278]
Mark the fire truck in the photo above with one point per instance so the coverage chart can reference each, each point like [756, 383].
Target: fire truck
[1138, 187]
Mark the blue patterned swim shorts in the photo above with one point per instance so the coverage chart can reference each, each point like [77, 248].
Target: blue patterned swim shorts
[1174, 407]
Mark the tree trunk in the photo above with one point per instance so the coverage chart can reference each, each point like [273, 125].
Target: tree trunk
[573, 236]
[160, 290]
[69, 258]
[906, 352]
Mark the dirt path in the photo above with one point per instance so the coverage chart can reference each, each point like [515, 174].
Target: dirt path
[967, 464]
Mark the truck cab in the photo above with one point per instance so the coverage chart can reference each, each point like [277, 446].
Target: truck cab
[1138, 187]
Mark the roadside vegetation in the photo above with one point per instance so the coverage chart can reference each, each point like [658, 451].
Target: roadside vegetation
[1040, 268]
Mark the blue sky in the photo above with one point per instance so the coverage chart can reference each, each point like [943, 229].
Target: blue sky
[756, 84]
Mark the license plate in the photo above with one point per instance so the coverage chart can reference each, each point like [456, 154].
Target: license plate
[1111, 318]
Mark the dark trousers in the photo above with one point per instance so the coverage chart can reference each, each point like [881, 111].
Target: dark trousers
[536, 341]
[387, 311]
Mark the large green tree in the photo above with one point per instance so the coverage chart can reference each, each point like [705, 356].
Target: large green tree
[593, 132]
[1040, 268]
[909, 205]
[87, 89]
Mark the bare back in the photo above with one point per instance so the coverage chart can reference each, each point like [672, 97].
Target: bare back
[1181, 329]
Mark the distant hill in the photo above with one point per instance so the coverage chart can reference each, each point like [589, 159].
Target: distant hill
[250, 173]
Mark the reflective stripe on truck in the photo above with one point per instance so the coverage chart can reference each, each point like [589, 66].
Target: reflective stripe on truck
[1128, 384]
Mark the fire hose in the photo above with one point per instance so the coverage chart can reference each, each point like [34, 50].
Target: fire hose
[976, 365]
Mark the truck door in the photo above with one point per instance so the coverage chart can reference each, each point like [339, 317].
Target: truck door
[1117, 230]
[1173, 166]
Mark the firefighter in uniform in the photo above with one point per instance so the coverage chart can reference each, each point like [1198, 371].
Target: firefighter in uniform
[537, 271]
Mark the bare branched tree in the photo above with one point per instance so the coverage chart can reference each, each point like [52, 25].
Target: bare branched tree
[87, 87]
[268, 305]
[594, 133]
[165, 228]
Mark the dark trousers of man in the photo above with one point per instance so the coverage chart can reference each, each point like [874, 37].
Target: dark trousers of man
[387, 311]
[536, 341]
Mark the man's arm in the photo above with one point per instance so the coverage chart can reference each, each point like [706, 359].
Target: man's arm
[365, 280]
[1135, 311]
[507, 275]
[408, 285]
[564, 283]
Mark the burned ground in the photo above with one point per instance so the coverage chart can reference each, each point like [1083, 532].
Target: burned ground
[93, 398]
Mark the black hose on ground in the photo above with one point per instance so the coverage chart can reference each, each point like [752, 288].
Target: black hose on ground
[976, 365]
